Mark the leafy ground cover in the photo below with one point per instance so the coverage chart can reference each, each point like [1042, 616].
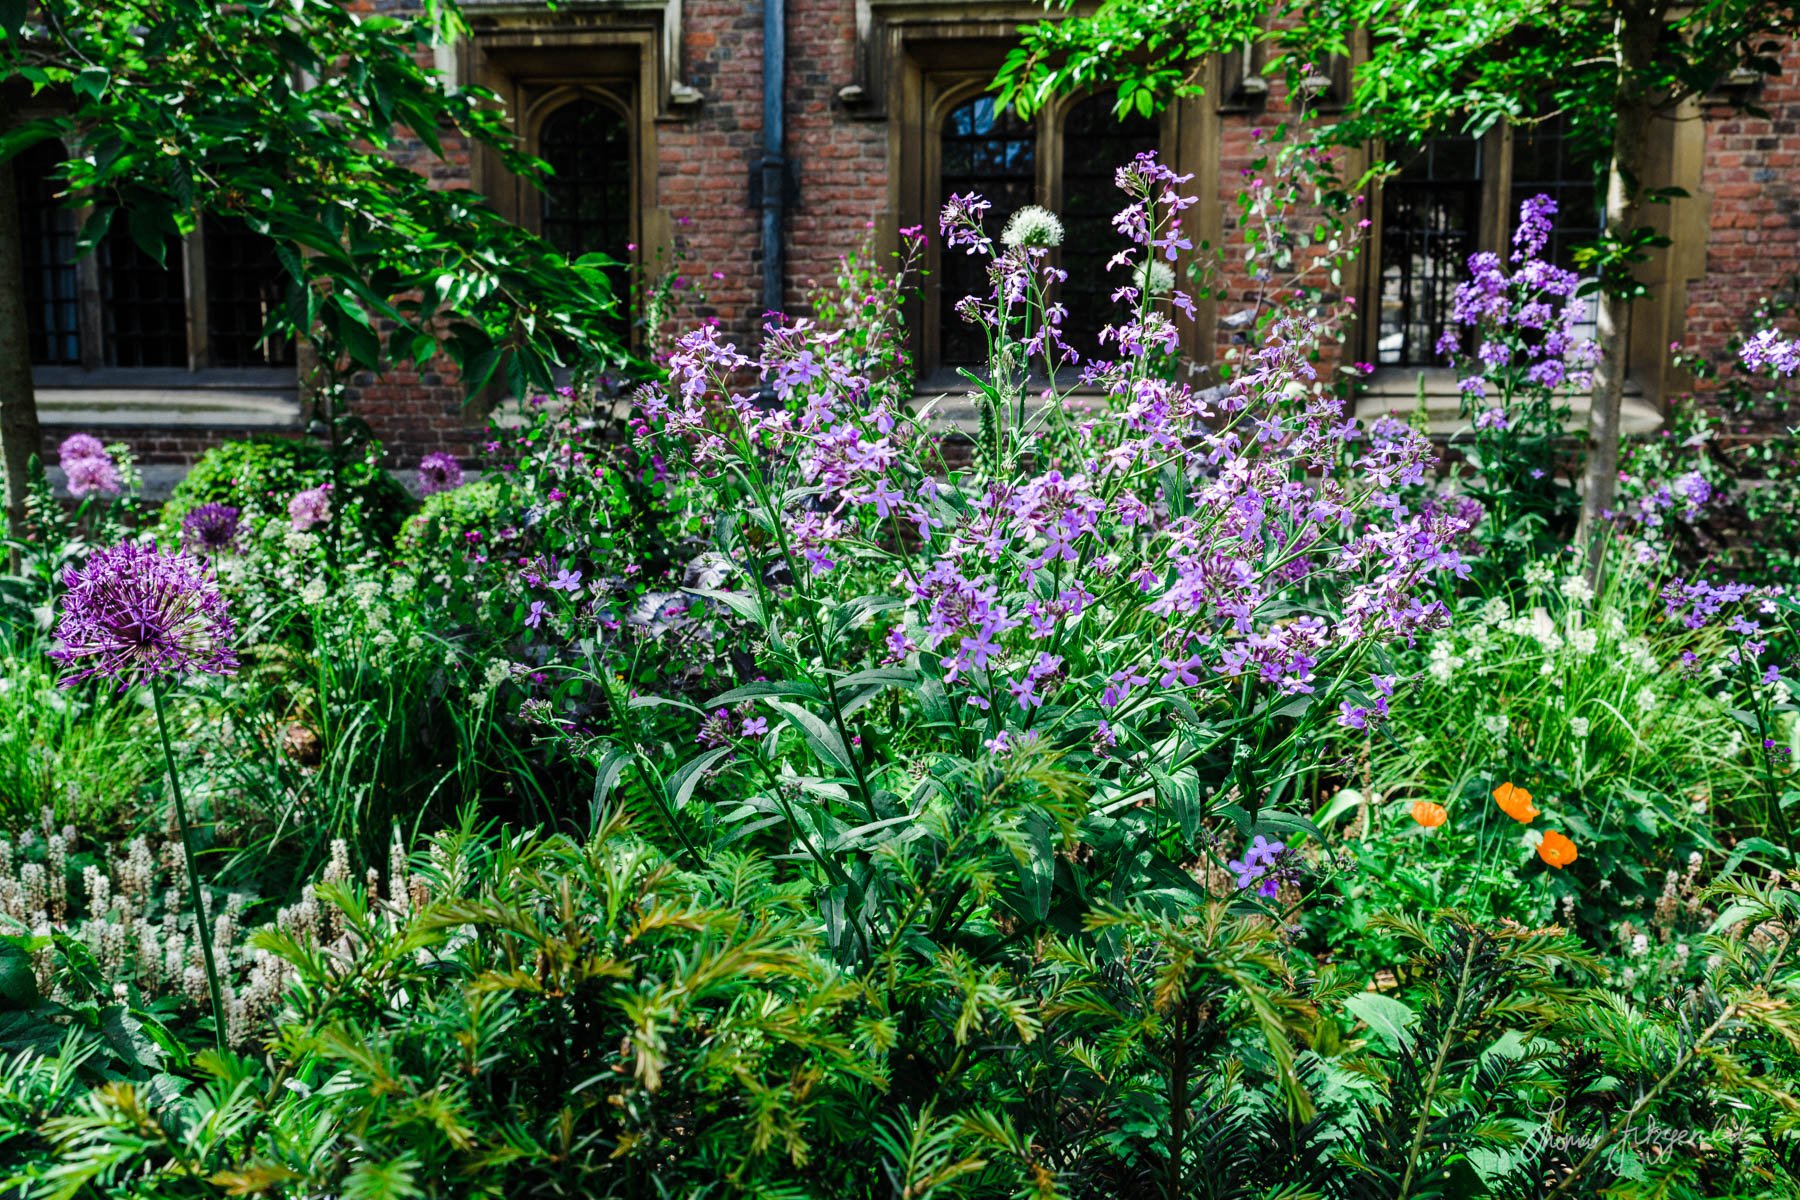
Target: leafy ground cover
[1176, 791]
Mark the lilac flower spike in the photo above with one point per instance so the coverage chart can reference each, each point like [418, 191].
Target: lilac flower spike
[134, 613]
[439, 472]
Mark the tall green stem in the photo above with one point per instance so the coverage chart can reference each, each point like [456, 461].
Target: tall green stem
[193, 872]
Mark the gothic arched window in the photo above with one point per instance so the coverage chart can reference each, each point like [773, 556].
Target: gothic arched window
[587, 199]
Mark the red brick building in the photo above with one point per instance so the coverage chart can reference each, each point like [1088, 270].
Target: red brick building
[653, 113]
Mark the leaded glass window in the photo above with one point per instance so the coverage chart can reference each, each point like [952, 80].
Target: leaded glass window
[52, 288]
[245, 285]
[991, 152]
[587, 200]
[1430, 223]
[1547, 161]
[143, 302]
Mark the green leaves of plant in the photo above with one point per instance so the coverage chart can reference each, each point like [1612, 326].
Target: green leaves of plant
[1386, 1017]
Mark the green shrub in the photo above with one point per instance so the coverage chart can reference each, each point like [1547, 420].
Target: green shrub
[262, 474]
[437, 529]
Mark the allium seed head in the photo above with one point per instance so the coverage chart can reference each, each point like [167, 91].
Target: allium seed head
[87, 475]
[210, 529]
[1154, 277]
[133, 613]
[79, 445]
[1032, 226]
[439, 472]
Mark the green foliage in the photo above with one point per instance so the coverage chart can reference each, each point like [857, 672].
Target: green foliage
[285, 115]
[526, 1015]
[260, 475]
[72, 752]
[440, 529]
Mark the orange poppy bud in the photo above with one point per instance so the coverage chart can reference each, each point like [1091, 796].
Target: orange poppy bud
[1428, 814]
[1515, 802]
[1556, 850]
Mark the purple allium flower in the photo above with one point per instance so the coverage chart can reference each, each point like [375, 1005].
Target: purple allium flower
[88, 466]
[79, 445]
[310, 507]
[134, 613]
[92, 475]
[210, 529]
[439, 472]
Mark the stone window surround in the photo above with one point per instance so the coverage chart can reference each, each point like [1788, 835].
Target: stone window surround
[625, 55]
[918, 59]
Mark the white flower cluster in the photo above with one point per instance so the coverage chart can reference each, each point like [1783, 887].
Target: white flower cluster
[131, 914]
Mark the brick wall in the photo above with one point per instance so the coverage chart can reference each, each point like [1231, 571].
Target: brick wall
[1752, 172]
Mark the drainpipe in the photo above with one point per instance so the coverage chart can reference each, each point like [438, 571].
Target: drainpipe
[774, 162]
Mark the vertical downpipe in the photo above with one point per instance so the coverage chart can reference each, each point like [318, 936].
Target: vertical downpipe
[774, 161]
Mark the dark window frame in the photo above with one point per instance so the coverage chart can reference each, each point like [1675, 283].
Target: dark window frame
[1498, 191]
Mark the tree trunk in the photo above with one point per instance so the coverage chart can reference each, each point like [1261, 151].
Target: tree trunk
[1636, 32]
[20, 437]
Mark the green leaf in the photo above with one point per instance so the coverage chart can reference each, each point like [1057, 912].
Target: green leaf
[12, 17]
[1753, 845]
[125, 1034]
[853, 613]
[1386, 1017]
[1039, 873]
[1270, 820]
[822, 738]
[18, 983]
[681, 785]
[744, 605]
[1181, 794]
[606, 776]
[768, 687]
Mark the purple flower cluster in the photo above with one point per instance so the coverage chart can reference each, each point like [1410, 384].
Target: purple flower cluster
[1211, 541]
[1525, 320]
[87, 466]
[1260, 866]
[1696, 604]
[133, 614]
[210, 529]
[439, 472]
[310, 507]
[1767, 351]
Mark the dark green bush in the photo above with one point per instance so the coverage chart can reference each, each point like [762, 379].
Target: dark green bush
[438, 527]
[262, 474]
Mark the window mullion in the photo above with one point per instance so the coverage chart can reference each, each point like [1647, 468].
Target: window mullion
[194, 261]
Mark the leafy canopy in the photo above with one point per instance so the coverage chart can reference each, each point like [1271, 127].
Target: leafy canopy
[287, 115]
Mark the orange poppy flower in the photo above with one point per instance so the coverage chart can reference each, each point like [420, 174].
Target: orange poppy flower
[1428, 814]
[1556, 850]
[1515, 802]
